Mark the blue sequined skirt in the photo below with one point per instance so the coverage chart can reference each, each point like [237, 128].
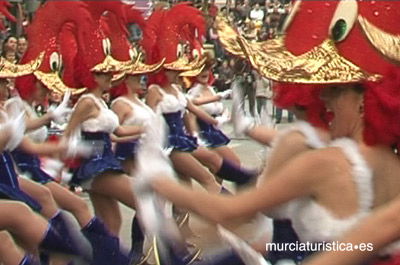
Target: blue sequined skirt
[212, 136]
[9, 185]
[178, 139]
[126, 150]
[102, 160]
[28, 163]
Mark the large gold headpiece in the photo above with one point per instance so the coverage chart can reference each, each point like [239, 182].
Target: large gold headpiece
[10, 70]
[353, 42]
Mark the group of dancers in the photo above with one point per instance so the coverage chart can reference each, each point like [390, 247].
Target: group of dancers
[321, 182]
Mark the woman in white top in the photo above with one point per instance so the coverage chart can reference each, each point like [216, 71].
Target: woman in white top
[203, 95]
[169, 99]
[320, 194]
[131, 110]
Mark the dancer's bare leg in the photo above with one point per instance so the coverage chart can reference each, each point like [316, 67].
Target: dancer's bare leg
[128, 165]
[70, 202]
[42, 195]
[227, 153]
[107, 209]
[208, 158]
[187, 165]
[10, 254]
[22, 222]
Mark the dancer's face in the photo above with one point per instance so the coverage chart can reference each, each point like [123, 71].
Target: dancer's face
[346, 105]
[203, 77]
[40, 93]
[103, 80]
[172, 76]
[133, 83]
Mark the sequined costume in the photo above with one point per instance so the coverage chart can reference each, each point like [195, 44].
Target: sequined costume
[97, 132]
[212, 136]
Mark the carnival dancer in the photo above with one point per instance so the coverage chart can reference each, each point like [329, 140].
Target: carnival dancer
[30, 229]
[321, 195]
[101, 174]
[164, 32]
[202, 94]
[105, 245]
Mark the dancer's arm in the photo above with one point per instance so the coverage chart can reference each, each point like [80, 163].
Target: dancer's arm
[84, 110]
[30, 122]
[128, 131]
[122, 110]
[262, 134]
[4, 137]
[124, 133]
[153, 97]
[204, 100]
[381, 228]
[35, 123]
[201, 114]
[124, 139]
[190, 123]
[302, 176]
[43, 149]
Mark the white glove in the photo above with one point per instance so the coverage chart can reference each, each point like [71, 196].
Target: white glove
[225, 94]
[53, 167]
[15, 126]
[77, 147]
[248, 255]
[224, 118]
[61, 113]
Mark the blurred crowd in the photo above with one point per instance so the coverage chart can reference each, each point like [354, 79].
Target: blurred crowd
[257, 20]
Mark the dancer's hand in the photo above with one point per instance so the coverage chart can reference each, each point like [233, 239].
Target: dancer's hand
[61, 113]
[225, 94]
[52, 167]
[75, 147]
[224, 118]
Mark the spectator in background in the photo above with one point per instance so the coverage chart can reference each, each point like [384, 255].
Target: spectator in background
[9, 50]
[263, 91]
[10, 56]
[244, 10]
[22, 46]
[263, 33]
[10, 44]
[278, 115]
[213, 37]
[257, 14]
[245, 80]
[212, 9]
[225, 76]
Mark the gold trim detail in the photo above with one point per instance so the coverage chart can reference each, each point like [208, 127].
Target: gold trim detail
[10, 70]
[108, 65]
[228, 37]
[139, 68]
[321, 65]
[54, 82]
[386, 43]
[156, 253]
[197, 68]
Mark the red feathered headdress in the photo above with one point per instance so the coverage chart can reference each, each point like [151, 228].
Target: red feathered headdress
[342, 42]
[95, 50]
[167, 31]
[43, 35]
